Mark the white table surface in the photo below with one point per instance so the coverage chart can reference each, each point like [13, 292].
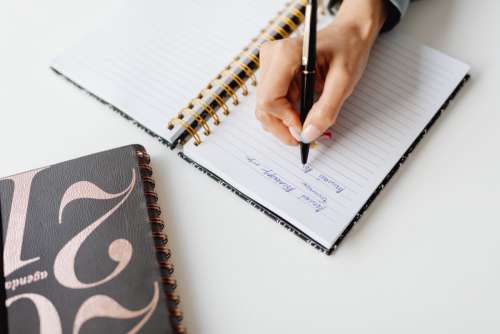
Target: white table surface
[425, 257]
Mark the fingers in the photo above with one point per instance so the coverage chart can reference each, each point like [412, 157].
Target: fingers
[277, 92]
[337, 87]
[278, 68]
[279, 129]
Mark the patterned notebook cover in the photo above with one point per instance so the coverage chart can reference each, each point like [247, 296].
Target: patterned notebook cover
[84, 251]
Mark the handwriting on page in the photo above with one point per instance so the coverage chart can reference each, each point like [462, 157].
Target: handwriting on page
[402, 87]
[326, 180]
[306, 192]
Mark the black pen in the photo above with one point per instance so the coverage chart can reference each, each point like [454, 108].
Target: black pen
[308, 69]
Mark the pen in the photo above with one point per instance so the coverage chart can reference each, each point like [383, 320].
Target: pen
[308, 69]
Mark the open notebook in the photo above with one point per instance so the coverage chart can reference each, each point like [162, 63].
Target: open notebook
[152, 68]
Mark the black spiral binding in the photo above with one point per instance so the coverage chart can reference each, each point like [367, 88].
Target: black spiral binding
[234, 76]
[160, 239]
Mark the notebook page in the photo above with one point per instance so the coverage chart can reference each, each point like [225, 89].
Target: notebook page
[151, 57]
[404, 86]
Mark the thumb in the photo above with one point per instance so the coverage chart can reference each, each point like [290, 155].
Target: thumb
[323, 113]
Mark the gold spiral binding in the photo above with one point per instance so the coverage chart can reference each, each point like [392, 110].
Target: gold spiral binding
[248, 71]
[282, 32]
[290, 23]
[237, 79]
[250, 56]
[199, 119]
[226, 87]
[163, 252]
[286, 21]
[298, 14]
[264, 34]
[217, 99]
[191, 130]
[206, 107]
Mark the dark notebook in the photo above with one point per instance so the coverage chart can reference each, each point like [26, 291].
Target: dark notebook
[84, 251]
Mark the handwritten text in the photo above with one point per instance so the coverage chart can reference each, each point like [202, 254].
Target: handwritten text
[330, 182]
[317, 206]
[273, 176]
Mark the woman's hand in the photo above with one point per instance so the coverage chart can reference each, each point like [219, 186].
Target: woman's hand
[343, 48]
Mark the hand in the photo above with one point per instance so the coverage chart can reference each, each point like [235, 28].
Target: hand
[343, 48]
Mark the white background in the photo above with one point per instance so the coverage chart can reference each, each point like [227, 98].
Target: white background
[425, 257]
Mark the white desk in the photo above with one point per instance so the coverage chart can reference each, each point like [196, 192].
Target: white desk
[425, 257]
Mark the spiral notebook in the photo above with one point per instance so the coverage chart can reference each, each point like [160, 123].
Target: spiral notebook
[84, 249]
[189, 79]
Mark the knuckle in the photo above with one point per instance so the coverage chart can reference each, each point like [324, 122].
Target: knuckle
[287, 120]
[263, 105]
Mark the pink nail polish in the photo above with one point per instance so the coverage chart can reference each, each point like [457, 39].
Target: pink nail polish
[327, 135]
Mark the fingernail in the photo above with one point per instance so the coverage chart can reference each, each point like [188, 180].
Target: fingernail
[294, 132]
[327, 135]
[309, 134]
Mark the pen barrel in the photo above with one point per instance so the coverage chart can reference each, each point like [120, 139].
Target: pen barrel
[307, 93]
[313, 31]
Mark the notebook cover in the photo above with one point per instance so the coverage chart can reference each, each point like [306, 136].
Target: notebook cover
[84, 250]
[3, 307]
[280, 220]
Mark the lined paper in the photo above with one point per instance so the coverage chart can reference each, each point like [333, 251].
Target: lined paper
[150, 61]
[403, 87]
[151, 57]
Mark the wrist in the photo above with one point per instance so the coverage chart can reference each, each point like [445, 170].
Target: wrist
[367, 17]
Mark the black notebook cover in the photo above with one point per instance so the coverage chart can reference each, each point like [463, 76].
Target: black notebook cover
[84, 250]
